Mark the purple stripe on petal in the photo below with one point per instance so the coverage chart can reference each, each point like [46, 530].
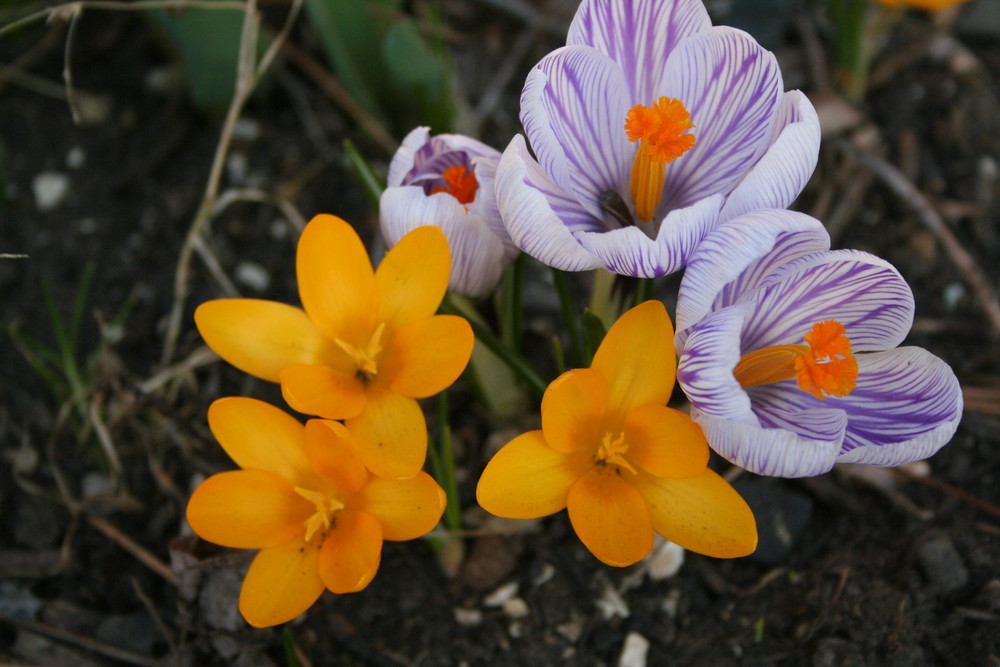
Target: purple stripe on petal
[638, 35]
[732, 88]
[705, 367]
[405, 156]
[783, 171]
[861, 291]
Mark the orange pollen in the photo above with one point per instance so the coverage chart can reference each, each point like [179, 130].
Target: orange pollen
[611, 451]
[662, 133]
[460, 183]
[825, 366]
[326, 508]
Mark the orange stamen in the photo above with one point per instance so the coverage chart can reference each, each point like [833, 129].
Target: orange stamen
[824, 367]
[460, 183]
[661, 131]
[611, 451]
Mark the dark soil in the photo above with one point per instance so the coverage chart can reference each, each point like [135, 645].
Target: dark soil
[895, 569]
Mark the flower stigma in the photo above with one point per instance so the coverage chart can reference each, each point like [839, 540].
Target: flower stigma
[365, 358]
[460, 183]
[326, 508]
[825, 366]
[611, 451]
[662, 133]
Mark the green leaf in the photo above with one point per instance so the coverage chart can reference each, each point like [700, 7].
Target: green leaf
[419, 77]
[593, 333]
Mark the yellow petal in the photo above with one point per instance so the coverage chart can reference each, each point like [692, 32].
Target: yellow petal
[351, 552]
[334, 455]
[259, 436]
[637, 358]
[665, 442]
[611, 518]
[282, 582]
[428, 355]
[247, 509]
[703, 514]
[528, 479]
[260, 337]
[413, 277]
[406, 508]
[573, 410]
[391, 435]
[336, 281]
[322, 391]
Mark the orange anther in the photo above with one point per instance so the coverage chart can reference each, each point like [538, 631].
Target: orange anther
[460, 183]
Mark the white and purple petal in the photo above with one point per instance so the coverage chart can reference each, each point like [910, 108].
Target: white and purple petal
[732, 87]
[863, 292]
[638, 35]
[734, 258]
[783, 171]
[573, 109]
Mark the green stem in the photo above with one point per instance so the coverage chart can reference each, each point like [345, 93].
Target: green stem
[511, 305]
[569, 316]
[446, 458]
[643, 291]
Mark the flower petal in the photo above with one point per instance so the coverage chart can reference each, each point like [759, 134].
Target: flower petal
[527, 479]
[404, 158]
[336, 282]
[259, 436]
[638, 35]
[428, 355]
[391, 435]
[783, 171]
[323, 391]
[351, 552]
[247, 509]
[412, 278]
[734, 258]
[260, 337]
[407, 508]
[703, 514]
[333, 455]
[861, 291]
[705, 369]
[282, 582]
[540, 215]
[732, 87]
[906, 406]
[573, 409]
[630, 252]
[573, 109]
[611, 518]
[665, 442]
[637, 358]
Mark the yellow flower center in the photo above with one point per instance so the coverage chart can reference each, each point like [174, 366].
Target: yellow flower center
[365, 358]
[611, 451]
[825, 366]
[326, 509]
[460, 183]
[661, 130]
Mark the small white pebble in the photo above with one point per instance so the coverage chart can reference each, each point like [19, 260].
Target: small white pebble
[237, 166]
[634, 651]
[246, 129]
[545, 576]
[611, 603]
[498, 597]
[571, 631]
[253, 276]
[76, 157]
[952, 294]
[516, 608]
[665, 560]
[671, 602]
[50, 189]
[467, 617]
[96, 484]
[279, 229]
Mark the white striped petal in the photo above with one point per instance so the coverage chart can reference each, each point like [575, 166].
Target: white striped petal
[485, 203]
[781, 174]
[538, 214]
[573, 110]
[732, 87]
[638, 35]
[405, 156]
[735, 257]
[859, 290]
[705, 367]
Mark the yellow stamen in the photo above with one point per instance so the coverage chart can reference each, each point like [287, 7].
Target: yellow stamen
[460, 183]
[611, 451]
[661, 131]
[326, 508]
[824, 367]
[365, 358]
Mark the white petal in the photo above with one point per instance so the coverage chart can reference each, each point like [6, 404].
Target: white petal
[705, 368]
[402, 161]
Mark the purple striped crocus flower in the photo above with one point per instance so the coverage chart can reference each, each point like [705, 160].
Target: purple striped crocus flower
[788, 353]
[648, 128]
[447, 181]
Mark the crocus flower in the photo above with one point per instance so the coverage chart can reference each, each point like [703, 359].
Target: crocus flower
[621, 462]
[447, 181]
[366, 345]
[649, 127]
[306, 500]
[794, 365]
